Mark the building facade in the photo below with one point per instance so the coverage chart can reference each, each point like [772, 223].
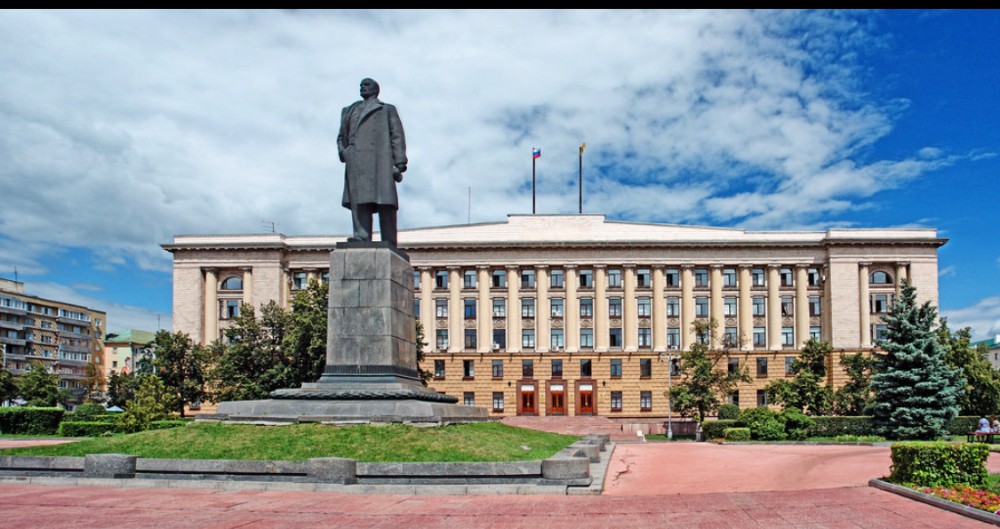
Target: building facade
[577, 315]
[123, 349]
[62, 336]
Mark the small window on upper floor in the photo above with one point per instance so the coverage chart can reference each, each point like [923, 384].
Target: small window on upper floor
[879, 277]
[232, 283]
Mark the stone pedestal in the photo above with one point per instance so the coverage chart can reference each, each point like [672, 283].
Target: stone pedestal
[371, 356]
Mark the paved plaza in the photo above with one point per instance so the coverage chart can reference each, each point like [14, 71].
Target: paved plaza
[650, 485]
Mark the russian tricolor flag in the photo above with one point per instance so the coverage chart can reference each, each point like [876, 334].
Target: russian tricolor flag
[536, 153]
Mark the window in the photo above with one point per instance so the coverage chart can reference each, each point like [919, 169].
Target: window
[497, 401]
[879, 277]
[813, 277]
[880, 303]
[416, 307]
[675, 366]
[643, 278]
[674, 337]
[498, 369]
[645, 368]
[615, 337]
[701, 307]
[499, 278]
[587, 338]
[729, 277]
[673, 306]
[585, 371]
[557, 371]
[761, 366]
[757, 277]
[527, 279]
[586, 307]
[673, 278]
[232, 283]
[468, 369]
[645, 401]
[645, 338]
[815, 307]
[733, 366]
[556, 307]
[789, 363]
[616, 368]
[499, 339]
[499, 308]
[879, 332]
[416, 280]
[761, 398]
[816, 333]
[734, 398]
[644, 307]
[614, 307]
[787, 306]
[729, 306]
[528, 308]
[528, 338]
[470, 339]
[586, 279]
[232, 309]
[731, 337]
[759, 306]
[299, 280]
[616, 401]
[439, 369]
[469, 398]
[785, 275]
[441, 339]
[441, 279]
[557, 279]
[788, 336]
[556, 339]
[469, 279]
[469, 308]
[759, 337]
[614, 278]
[527, 368]
[325, 277]
[441, 308]
[700, 277]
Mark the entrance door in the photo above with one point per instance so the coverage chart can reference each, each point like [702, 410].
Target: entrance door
[557, 399]
[527, 399]
[586, 399]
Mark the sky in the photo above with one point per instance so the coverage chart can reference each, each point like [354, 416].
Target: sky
[122, 129]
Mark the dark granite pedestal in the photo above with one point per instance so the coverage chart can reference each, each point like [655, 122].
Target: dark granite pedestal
[371, 355]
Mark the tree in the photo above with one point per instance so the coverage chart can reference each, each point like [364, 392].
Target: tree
[153, 402]
[94, 382]
[698, 392]
[855, 397]
[982, 383]
[425, 375]
[252, 364]
[806, 391]
[304, 344]
[40, 387]
[8, 385]
[121, 389]
[916, 392]
[182, 366]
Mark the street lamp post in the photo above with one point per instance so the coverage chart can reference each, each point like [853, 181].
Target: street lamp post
[670, 387]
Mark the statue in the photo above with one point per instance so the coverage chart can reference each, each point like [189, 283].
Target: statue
[373, 149]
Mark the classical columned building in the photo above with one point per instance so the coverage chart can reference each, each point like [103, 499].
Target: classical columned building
[576, 315]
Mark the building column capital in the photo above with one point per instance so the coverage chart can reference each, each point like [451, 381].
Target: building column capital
[628, 266]
[600, 266]
[482, 267]
[570, 266]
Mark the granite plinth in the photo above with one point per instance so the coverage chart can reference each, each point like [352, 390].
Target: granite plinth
[347, 411]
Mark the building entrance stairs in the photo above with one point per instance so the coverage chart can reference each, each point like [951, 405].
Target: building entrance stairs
[575, 425]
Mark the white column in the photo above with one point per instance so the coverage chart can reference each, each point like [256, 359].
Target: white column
[248, 286]
[773, 308]
[571, 310]
[542, 312]
[428, 319]
[629, 311]
[864, 304]
[745, 309]
[456, 314]
[900, 277]
[715, 305]
[601, 338]
[687, 306]
[513, 310]
[485, 310]
[659, 317]
[211, 306]
[801, 305]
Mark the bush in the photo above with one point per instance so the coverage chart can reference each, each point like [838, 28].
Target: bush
[714, 429]
[832, 426]
[736, 435]
[797, 424]
[86, 428]
[170, 423]
[859, 439]
[87, 411]
[764, 424]
[963, 425]
[729, 412]
[30, 420]
[940, 464]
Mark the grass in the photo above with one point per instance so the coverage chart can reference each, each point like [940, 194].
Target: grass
[391, 443]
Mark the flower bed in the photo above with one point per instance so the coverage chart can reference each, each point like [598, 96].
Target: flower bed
[976, 498]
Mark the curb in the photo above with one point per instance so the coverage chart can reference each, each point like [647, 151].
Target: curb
[934, 501]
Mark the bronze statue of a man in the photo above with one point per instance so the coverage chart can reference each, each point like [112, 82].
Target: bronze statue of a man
[372, 146]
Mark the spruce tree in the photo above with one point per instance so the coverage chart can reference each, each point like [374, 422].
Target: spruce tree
[916, 392]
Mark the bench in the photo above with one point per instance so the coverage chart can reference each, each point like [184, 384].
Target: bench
[979, 437]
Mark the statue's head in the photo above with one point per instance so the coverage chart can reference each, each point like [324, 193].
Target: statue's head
[369, 88]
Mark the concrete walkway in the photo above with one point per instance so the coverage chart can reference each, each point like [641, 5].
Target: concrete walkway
[19, 442]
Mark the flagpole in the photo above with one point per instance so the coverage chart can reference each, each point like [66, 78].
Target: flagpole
[533, 183]
[580, 186]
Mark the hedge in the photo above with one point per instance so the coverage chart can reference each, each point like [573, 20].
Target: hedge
[832, 426]
[736, 434]
[30, 420]
[939, 464]
[715, 429]
[963, 425]
[86, 428]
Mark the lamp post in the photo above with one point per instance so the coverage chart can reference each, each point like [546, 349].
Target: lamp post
[670, 387]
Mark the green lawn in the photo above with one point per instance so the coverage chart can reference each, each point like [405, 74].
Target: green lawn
[392, 443]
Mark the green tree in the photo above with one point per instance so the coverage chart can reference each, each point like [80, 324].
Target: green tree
[982, 383]
[304, 344]
[8, 385]
[153, 402]
[916, 392]
[702, 382]
[425, 375]
[40, 387]
[809, 390]
[252, 364]
[182, 366]
[855, 397]
[121, 389]
[94, 382]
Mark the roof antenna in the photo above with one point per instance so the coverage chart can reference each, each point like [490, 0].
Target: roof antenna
[268, 224]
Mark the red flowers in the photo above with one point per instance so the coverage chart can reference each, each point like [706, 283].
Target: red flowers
[978, 498]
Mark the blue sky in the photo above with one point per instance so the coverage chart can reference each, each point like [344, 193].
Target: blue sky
[119, 130]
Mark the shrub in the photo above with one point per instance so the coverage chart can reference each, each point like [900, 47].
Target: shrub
[939, 464]
[859, 439]
[169, 423]
[963, 425]
[832, 426]
[736, 435]
[764, 424]
[88, 411]
[797, 424]
[714, 429]
[86, 428]
[729, 412]
[30, 420]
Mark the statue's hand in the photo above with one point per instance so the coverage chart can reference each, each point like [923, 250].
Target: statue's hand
[397, 172]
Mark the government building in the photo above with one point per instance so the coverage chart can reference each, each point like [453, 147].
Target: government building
[579, 315]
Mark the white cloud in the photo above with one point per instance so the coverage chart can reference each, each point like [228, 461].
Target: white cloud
[983, 317]
[120, 316]
[947, 271]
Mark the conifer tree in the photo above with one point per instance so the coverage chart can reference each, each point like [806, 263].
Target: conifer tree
[916, 392]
